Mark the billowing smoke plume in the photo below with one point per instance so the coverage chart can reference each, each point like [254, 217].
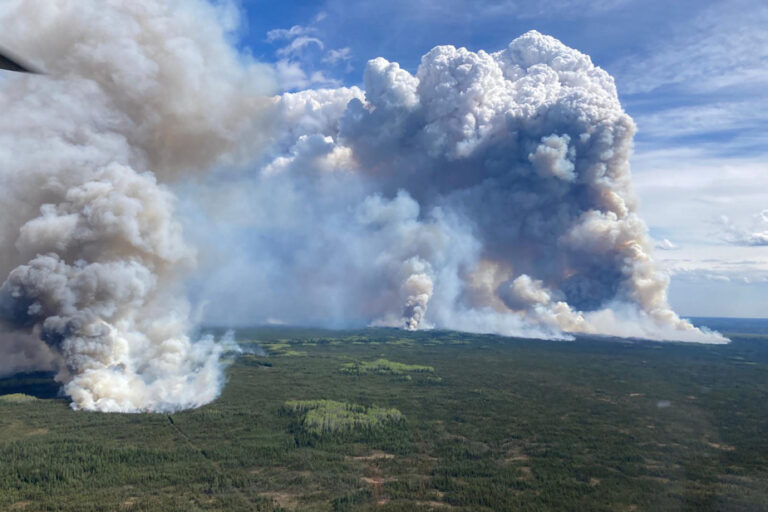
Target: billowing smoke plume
[489, 192]
[136, 93]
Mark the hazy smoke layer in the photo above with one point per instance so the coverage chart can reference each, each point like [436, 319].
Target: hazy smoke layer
[136, 92]
[489, 192]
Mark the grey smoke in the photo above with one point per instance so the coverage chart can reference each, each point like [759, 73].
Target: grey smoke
[138, 93]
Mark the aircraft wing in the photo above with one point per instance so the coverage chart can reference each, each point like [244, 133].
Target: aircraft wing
[13, 64]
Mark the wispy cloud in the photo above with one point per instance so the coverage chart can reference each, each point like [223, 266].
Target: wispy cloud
[298, 44]
[722, 270]
[280, 34]
[701, 119]
[302, 48]
[340, 55]
[436, 12]
[724, 47]
[666, 245]
[291, 76]
[558, 8]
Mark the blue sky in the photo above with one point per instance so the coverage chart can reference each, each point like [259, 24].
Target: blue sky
[693, 75]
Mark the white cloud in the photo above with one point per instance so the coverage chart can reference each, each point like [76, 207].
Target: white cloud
[666, 245]
[291, 76]
[740, 235]
[684, 192]
[297, 45]
[721, 266]
[295, 68]
[340, 55]
[279, 34]
[707, 205]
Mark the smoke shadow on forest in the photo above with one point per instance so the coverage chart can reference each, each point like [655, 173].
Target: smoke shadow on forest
[38, 384]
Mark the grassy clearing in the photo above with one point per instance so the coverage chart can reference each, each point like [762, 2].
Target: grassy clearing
[17, 398]
[283, 349]
[324, 417]
[383, 367]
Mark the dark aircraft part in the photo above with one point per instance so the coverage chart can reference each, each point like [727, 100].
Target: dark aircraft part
[14, 64]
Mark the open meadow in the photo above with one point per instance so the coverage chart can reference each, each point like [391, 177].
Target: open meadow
[383, 419]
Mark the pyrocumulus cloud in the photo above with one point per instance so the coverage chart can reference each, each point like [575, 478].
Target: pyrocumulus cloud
[488, 192]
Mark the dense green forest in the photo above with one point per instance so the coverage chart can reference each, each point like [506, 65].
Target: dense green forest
[382, 419]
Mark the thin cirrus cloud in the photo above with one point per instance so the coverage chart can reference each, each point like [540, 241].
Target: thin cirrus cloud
[706, 81]
[725, 46]
[436, 12]
[340, 55]
[288, 33]
[296, 67]
[297, 45]
[709, 118]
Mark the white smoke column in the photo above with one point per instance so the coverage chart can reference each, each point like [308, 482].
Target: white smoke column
[495, 193]
[418, 287]
[136, 93]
